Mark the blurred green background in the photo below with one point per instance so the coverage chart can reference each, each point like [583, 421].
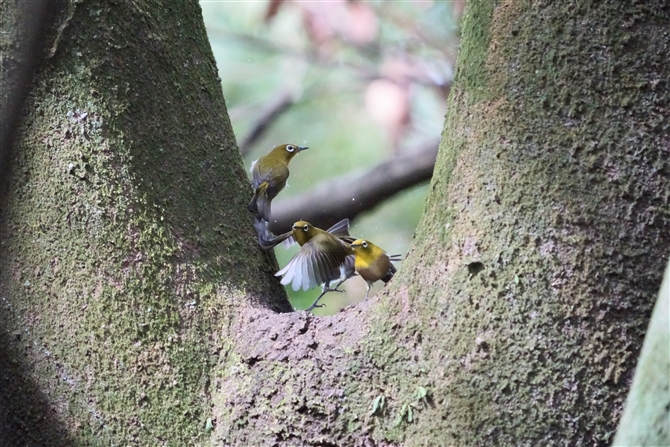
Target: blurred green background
[364, 81]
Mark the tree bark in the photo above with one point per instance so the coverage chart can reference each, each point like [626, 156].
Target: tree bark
[22, 49]
[125, 236]
[550, 202]
[138, 310]
[519, 313]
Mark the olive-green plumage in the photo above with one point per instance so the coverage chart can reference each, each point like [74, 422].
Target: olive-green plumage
[270, 174]
[325, 256]
[372, 263]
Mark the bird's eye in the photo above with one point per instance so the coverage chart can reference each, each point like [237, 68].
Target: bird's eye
[365, 244]
[305, 228]
[290, 147]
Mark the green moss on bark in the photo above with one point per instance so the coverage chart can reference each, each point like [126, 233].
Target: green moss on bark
[516, 318]
[125, 239]
[519, 311]
[552, 177]
[474, 50]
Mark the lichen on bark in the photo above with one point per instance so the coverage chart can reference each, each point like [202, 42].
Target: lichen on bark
[553, 218]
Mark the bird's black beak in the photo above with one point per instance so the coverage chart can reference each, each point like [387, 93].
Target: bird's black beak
[302, 148]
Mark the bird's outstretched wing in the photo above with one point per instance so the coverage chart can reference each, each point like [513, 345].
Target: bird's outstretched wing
[313, 266]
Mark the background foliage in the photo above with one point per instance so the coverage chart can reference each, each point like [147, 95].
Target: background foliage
[358, 83]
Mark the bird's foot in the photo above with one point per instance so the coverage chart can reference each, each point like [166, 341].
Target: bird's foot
[334, 289]
[314, 306]
[315, 303]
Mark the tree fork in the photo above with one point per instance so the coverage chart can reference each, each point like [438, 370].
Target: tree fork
[516, 318]
[519, 313]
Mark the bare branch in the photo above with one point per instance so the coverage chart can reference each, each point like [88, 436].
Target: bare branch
[272, 110]
[353, 194]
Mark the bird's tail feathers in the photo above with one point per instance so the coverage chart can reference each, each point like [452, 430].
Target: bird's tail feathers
[392, 269]
[340, 229]
[266, 239]
[252, 205]
[260, 204]
[263, 202]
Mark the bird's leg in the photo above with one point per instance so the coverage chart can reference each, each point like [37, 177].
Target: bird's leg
[335, 289]
[367, 292]
[314, 304]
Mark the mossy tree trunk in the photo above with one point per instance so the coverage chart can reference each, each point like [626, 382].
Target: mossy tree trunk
[125, 235]
[519, 313]
[128, 259]
[551, 200]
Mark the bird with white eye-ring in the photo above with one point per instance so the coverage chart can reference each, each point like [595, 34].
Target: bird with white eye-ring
[269, 176]
[373, 263]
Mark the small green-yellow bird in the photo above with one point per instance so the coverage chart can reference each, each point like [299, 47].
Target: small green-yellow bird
[372, 263]
[324, 257]
[270, 173]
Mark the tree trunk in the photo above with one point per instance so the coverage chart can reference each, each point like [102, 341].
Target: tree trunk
[551, 202]
[125, 236]
[519, 313]
[128, 256]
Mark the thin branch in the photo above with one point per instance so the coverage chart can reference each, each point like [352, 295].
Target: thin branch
[313, 57]
[353, 194]
[272, 110]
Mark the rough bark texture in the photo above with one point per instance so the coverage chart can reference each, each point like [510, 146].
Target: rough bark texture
[520, 311]
[516, 319]
[125, 239]
[646, 417]
[551, 202]
[24, 25]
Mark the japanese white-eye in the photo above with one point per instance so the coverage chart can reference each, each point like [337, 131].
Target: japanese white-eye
[270, 174]
[373, 263]
[324, 257]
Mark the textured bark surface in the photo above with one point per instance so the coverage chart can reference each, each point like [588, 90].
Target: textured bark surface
[519, 313]
[128, 256]
[125, 235]
[22, 49]
[550, 199]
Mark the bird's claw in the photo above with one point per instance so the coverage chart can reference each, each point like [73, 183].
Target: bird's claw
[313, 306]
[334, 290]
